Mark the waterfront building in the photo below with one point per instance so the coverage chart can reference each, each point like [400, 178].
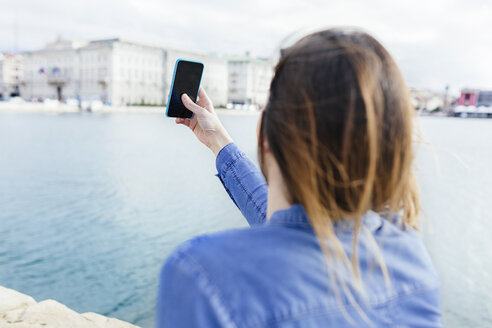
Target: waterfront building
[468, 97]
[475, 103]
[53, 71]
[475, 97]
[249, 80]
[11, 75]
[126, 72]
[114, 71]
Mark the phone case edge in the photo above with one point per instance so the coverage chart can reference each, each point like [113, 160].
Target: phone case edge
[172, 82]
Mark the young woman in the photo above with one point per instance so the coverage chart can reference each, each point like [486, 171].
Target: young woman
[333, 211]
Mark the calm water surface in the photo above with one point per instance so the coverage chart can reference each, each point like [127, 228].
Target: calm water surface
[91, 205]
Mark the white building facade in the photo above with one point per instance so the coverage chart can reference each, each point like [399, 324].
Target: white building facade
[114, 71]
[11, 75]
[53, 71]
[249, 80]
[136, 74]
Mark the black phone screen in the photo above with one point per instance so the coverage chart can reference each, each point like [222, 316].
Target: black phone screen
[186, 80]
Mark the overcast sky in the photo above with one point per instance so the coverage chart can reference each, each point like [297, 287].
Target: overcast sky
[435, 42]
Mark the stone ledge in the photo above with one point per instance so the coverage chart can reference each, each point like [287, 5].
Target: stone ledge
[22, 311]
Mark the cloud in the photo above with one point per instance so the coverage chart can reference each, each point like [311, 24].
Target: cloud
[435, 42]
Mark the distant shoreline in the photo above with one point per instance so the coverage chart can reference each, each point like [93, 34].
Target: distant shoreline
[57, 108]
[63, 108]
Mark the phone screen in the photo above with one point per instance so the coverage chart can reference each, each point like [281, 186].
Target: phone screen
[187, 79]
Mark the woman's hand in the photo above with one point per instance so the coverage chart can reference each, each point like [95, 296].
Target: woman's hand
[205, 124]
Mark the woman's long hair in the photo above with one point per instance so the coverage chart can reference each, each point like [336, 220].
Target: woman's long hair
[339, 124]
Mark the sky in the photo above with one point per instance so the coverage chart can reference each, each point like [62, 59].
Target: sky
[435, 42]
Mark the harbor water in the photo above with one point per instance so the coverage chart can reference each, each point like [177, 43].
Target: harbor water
[91, 205]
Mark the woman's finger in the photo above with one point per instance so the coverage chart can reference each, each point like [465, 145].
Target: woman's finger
[190, 105]
[187, 122]
[204, 100]
[192, 124]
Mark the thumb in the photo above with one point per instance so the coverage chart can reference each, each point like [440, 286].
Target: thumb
[190, 105]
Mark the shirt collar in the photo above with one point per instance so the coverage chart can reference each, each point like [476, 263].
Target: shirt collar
[296, 216]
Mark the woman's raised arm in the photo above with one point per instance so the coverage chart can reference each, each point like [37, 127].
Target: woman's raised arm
[241, 178]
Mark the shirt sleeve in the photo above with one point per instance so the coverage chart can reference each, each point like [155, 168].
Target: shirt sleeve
[244, 183]
[186, 296]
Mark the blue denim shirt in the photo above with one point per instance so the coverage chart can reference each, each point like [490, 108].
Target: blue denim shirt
[274, 274]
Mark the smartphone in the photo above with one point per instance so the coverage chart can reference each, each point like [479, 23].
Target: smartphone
[186, 79]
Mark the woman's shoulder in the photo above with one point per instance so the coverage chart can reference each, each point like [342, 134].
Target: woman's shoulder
[218, 247]
[248, 270]
[234, 257]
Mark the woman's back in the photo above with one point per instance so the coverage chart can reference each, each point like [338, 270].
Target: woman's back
[274, 276]
[274, 273]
